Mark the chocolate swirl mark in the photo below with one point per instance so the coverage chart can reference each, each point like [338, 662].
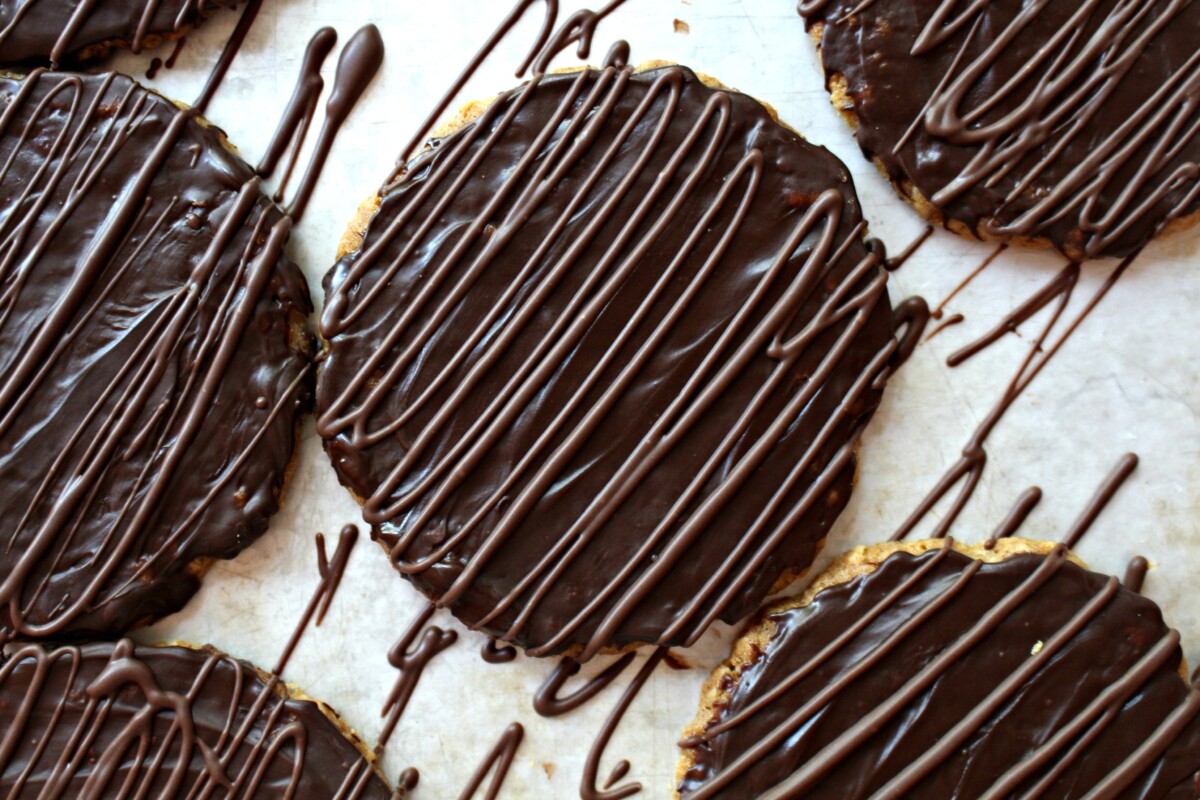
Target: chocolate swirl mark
[1064, 743]
[1043, 116]
[353, 410]
[969, 468]
[494, 653]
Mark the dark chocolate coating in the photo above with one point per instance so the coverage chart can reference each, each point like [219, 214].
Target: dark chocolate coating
[536, 322]
[1119, 630]
[40, 31]
[153, 357]
[165, 722]
[1094, 145]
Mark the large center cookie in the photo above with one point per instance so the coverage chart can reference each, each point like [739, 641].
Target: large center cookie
[924, 670]
[115, 720]
[598, 359]
[153, 354]
[1074, 123]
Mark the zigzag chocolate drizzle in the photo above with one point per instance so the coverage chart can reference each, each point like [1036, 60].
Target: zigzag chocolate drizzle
[1077, 122]
[939, 676]
[600, 364]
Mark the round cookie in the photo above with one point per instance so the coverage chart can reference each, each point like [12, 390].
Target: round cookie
[597, 361]
[119, 720]
[1069, 124]
[42, 31]
[936, 670]
[154, 354]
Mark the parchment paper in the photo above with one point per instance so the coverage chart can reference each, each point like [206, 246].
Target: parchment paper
[1127, 381]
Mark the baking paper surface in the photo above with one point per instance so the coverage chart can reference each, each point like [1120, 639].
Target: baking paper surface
[1127, 381]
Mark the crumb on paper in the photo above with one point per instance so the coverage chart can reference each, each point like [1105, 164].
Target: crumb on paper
[1037, 648]
[549, 768]
[682, 27]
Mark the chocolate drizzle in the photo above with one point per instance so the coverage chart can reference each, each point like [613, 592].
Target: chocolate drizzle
[969, 468]
[1075, 122]
[639, 334]
[124, 721]
[591, 767]
[410, 655]
[499, 759]
[941, 676]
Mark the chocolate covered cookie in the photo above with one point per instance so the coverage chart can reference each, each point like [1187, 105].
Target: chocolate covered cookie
[154, 356]
[125, 721]
[598, 359]
[935, 670]
[1073, 124]
[40, 31]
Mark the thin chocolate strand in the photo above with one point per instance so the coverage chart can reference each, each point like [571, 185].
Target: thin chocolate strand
[546, 701]
[970, 466]
[496, 763]
[1025, 504]
[591, 767]
[1125, 466]
[331, 577]
[494, 653]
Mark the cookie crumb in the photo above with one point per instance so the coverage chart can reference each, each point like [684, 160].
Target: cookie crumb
[682, 27]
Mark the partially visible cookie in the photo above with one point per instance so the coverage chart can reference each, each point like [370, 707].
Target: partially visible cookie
[1069, 124]
[119, 720]
[154, 354]
[41, 31]
[598, 360]
[936, 670]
